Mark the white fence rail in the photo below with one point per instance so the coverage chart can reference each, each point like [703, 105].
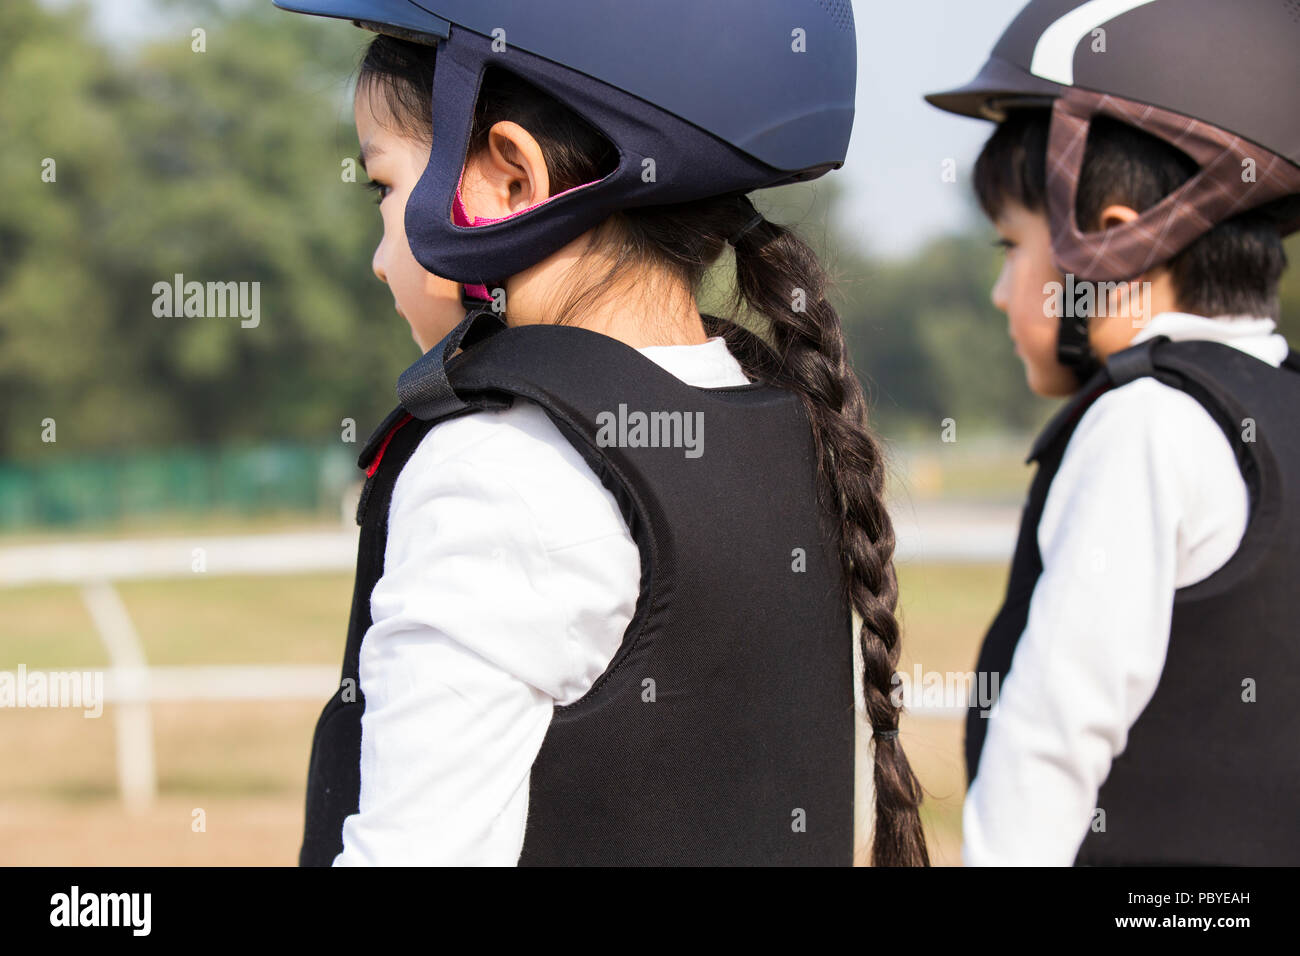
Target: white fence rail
[131, 685]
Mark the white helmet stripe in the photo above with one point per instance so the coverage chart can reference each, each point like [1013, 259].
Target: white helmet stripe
[1054, 53]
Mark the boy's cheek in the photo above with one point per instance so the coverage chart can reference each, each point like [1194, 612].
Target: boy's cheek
[1037, 376]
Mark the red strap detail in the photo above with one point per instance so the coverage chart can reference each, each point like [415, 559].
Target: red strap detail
[1097, 392]
[374, 465]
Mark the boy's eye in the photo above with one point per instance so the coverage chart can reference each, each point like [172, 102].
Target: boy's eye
[379, 188]
[1006, 245]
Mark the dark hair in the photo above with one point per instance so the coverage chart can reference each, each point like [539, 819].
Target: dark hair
[807, 355]
[1234, 269]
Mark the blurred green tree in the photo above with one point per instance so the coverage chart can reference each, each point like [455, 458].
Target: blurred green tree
[123, 167]
[223, 165]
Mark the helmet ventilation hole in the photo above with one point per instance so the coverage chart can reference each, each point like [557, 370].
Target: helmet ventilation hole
[841, 12]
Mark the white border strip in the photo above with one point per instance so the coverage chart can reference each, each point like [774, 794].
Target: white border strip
[1054, 53]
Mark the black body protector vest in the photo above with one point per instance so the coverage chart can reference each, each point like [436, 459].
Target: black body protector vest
[1208, 776]
[722, 731]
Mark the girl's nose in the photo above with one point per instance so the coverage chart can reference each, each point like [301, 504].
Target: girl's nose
[377, 264]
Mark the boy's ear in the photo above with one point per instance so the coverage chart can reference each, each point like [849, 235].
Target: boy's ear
[1116, 215]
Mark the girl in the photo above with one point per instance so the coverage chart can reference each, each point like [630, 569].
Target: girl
[575, 639]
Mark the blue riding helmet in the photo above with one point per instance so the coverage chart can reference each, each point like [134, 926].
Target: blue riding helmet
[699, 99]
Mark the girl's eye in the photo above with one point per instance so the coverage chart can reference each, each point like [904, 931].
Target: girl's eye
[380, 189]
[1006, 245]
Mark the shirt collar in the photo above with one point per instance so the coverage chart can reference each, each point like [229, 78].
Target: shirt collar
[1255, 335]
[709, 364]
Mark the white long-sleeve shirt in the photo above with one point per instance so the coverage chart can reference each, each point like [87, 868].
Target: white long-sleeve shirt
[509, 580]
[1148, 499]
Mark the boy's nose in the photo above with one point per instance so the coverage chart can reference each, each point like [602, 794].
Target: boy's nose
[377, 264]
[998, 296]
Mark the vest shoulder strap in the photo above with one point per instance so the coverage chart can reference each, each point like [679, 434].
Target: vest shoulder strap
[425, 390]
[1189, 365]
[1062, 423]
[1134, 362]
[575, 374]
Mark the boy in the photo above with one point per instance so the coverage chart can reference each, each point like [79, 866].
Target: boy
[1148, 637]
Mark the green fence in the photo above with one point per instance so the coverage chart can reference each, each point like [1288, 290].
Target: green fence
[244, 481]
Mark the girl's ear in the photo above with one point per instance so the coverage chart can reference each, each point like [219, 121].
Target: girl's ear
[506, 177]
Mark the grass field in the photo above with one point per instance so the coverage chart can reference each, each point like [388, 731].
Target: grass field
[243, 764]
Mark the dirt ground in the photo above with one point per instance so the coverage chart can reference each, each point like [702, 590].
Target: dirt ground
[240, 772]
[243, 764]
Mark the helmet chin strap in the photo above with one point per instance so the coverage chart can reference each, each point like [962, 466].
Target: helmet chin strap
[1073, 350]
[473, 301]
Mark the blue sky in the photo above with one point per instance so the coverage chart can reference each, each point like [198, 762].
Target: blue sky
[895, 196]
[893, 170]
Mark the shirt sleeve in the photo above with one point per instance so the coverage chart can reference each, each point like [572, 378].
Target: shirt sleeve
[478, 628]
[1146, 476]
